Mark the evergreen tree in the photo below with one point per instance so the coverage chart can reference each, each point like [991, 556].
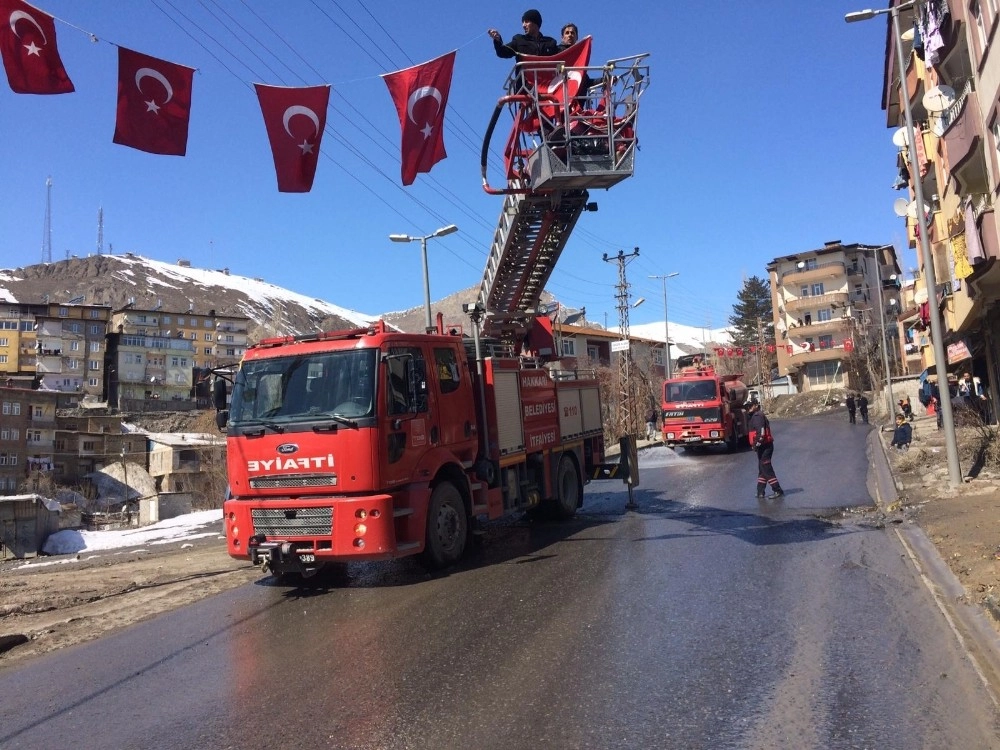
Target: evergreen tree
[754, 305]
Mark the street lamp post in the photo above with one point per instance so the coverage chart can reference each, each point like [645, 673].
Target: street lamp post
[885, 354]
[666, 320]
[930, 282]
[428, 324]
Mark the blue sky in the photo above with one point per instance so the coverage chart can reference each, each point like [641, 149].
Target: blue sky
[761, 134]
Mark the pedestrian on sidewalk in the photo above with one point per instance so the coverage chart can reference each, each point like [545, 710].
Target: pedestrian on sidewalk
[763, 443]
[902, 436]
[851, 407]
[906, 408]
[651, 424]
[863, 407]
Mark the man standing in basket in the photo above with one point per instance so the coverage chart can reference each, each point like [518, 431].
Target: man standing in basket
[763, 442]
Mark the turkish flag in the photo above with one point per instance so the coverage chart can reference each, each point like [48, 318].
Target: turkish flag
[420, 94]
[154, 103]
[548, 75]
[28, 48]
[295, 119]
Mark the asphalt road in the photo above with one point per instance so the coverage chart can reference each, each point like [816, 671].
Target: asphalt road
[702, 620]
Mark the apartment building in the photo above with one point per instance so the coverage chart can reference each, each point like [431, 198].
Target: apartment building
[829, 303]
[951, 81]
[154, 354]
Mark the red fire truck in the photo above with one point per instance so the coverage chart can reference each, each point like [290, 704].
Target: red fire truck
[368, 444]
[702, 408]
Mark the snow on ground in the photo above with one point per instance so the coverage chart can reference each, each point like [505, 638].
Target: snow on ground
[179, 529]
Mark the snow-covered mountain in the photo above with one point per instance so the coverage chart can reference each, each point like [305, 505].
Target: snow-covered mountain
[686, 338]
[116, 280]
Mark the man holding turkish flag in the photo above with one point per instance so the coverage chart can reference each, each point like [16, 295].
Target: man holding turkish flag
[28, 48]
[154, 103]
[420, 94]
[295, 119]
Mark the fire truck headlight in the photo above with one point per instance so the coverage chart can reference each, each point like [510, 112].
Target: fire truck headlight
[359, 543]
[360, 529]
[670, 436]
[234, 533]
[714, 433]
[361, 514]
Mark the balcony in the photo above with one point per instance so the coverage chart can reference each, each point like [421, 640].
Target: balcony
[818, 327]
[830, 270]
[817, 302]
[802, 356]
[963, 143]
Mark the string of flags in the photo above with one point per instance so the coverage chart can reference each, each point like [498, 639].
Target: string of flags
[155, 95]
[791, 349]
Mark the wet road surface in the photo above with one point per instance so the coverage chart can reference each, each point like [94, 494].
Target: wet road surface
[702, 620]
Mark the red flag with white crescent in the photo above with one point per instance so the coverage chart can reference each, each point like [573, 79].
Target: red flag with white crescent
[154, 104]
[295, 118]
[420, 94]
[28, 48]
[553, 74]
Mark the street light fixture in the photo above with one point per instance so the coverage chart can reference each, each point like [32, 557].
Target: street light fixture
[450, 229]
[930, 282]
[666, 321]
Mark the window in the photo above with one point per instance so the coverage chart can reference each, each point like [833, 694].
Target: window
[88, 445]
[166, 320]
[3, 359]
[5, 433]
[12, 408]
[73, 364]
[95, 313]
[824, 373]
[93, 382]
[208, 350]
[569, 347]
[95, 364]
[826, 341]
[4, 342]
[37, 412]
[193, 335]
[823, 315]
[96, 330]
[95, 346]
[449, 376]
[34, 436]
[804, 291]
[977, 14]
[180, 321]
[208, 337]
[63, 312]
[74, 346]
[75, 328]
[593, 353]
[817, 289]
[657, 356]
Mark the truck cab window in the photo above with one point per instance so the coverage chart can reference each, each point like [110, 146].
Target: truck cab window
[449, 377]
[407, 380]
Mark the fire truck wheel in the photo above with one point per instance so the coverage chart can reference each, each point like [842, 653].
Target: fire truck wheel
[447, 527]
[568, 489]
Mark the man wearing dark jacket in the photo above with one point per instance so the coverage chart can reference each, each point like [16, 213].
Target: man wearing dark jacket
[763, 443]
[531, 42]
[902, 436]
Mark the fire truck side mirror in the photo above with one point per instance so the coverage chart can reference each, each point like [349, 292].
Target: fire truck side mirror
[222, 419]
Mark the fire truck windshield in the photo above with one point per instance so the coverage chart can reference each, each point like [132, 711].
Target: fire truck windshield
[690, 390]
[326, 384]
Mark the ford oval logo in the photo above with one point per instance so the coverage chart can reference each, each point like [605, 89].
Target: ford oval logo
[286, 448]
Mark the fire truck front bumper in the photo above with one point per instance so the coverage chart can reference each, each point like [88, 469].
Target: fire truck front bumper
[674, 438]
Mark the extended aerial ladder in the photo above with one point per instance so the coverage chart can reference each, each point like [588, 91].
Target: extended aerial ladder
[574, 130]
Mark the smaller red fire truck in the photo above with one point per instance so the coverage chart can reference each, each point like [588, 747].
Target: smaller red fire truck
[702, 408]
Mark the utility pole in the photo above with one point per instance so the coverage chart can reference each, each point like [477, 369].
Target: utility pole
[626, 413]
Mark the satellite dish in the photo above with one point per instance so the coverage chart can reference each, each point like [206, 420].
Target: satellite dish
[900, 139]
[939, 98]
[920, 296]
[900, 206]
[911, 209]
[907, 36]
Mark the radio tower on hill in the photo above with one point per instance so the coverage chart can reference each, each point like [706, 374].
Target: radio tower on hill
[47, 230]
